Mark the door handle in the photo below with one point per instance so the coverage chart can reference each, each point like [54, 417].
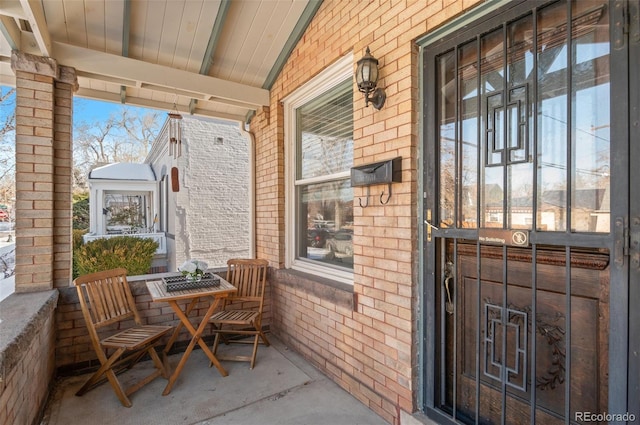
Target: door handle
[448, 304]
[429, 225]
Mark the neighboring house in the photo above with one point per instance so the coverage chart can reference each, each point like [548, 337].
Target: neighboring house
[205, 212]
[124, 200]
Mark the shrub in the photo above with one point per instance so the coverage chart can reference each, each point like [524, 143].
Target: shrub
[81, 212]
[78, 240]
[132, 253]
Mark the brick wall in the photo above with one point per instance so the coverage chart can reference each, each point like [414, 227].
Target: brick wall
[27, 361]
[62, 171]
[34, 181]
[212, 214]
[44, 93]
[74, 353]
[369, 348]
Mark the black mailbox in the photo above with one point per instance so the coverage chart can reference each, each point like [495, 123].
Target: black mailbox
[377, 173]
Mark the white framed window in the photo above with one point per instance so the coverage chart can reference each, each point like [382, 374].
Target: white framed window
[127, 212]
[319, 155]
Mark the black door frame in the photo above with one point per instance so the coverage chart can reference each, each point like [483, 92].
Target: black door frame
[624, 333]
[632, 39]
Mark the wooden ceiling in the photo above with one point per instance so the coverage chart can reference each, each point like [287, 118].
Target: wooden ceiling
[214, 58]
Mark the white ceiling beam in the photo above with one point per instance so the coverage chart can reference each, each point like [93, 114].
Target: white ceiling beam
[10, 31]
[175, 92]
[106, 79]
[154, 104]
[100, 63]
[6, 80]
[35, 15]
[12, 8]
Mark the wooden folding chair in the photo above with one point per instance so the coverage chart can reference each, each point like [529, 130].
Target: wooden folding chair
[105, 298]
[241, 313]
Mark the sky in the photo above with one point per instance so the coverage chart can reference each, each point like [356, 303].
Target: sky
[89, 110]
[84, 110]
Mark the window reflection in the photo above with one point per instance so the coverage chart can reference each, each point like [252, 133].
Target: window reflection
[326, 215]
[551, 101]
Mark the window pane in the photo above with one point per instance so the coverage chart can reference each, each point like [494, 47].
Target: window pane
[552, 118]
[591, 119]
[325, 218]
[125, 213]
[493, 128]
[325, 133]
[468, 94]
[447, 128]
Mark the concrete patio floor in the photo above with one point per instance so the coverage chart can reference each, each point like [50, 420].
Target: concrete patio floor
[282, 389]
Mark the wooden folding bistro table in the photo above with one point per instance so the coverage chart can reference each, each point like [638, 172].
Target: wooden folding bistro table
[159, 293]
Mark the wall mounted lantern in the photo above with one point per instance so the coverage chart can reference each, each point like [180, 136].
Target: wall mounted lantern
[367, 80]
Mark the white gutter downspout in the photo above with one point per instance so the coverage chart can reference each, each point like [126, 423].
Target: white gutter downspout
[252, 186]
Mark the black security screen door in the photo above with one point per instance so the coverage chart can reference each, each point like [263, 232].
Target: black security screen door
[521, 141]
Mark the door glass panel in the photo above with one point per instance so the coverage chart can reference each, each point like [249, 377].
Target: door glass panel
[446, 98]
[519, 165]
[469, 102]
[552, 118]
[587, 112]
[591, 119]
[492, 91]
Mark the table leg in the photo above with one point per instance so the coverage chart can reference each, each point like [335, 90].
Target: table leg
[195, 339]
[204, 346]
[176, 331]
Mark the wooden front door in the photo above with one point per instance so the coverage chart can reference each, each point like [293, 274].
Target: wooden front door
[522, 207]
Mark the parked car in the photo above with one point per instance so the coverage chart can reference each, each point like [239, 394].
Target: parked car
[341, 243]
[317, 237]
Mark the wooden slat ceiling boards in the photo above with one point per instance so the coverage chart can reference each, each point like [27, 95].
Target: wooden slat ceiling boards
[208, 57]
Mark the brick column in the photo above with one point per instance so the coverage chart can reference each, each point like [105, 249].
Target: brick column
[41, 161]
[64, 88]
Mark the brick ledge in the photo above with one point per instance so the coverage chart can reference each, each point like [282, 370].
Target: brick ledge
[22, 316]
[327, 289]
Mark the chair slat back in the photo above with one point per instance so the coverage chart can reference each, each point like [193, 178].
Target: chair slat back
[106, 298]
[249, 276]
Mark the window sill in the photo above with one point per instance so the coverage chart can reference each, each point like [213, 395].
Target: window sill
[333, 291]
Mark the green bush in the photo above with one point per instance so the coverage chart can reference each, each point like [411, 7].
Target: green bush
[132, 253]
[81, 212]
[78, 240]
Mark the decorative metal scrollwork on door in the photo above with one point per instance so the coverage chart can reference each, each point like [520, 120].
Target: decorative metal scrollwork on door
[518, 328]
[507, 142]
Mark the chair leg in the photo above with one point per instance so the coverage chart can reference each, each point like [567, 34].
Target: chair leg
[105, 366]
[255, 351]
[264, 338]
[115, 384]
[159, 364]
[216, 341]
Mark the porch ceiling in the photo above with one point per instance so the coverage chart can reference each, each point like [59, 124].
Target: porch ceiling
[214, 58]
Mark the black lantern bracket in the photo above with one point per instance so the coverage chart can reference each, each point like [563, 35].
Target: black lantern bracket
[383, 172]
[377, 100]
